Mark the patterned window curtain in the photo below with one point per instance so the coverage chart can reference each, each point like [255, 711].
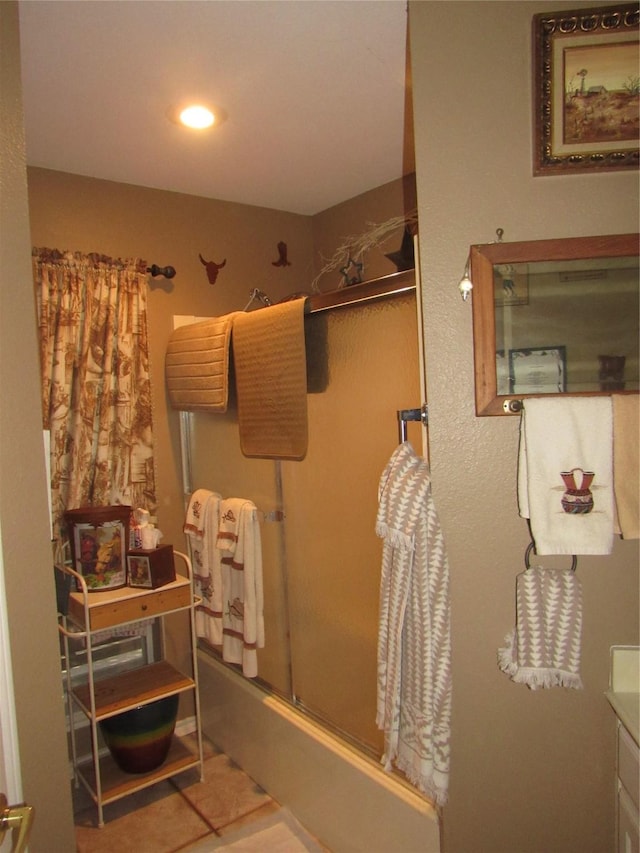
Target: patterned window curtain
[96, 389]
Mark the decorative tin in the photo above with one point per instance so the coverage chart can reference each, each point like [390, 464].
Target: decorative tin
[99, 537]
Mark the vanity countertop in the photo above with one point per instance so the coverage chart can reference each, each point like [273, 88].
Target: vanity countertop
[627, 708]
[624, 687]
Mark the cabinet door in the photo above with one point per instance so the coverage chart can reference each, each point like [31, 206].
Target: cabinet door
[628, 825]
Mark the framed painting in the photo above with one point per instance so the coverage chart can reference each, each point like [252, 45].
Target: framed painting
[586, 90]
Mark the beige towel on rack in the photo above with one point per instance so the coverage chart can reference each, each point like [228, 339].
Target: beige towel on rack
[197, 365]
[626, 463]
[544, 649]
[271, 381]
[561, 435]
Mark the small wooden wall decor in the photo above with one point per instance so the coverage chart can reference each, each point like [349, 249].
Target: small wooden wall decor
[212, 268]
[282, 256]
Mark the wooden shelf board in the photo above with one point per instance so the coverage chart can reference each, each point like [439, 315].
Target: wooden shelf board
[130, 689]
[117, 784]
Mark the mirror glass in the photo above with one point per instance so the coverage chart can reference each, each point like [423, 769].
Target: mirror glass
[558, 316]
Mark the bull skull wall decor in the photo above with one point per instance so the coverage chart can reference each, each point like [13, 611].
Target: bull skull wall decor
[212, 268]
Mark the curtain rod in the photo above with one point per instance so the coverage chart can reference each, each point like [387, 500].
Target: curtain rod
[167, 272]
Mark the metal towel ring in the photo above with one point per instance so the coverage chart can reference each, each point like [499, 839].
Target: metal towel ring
[527, 554]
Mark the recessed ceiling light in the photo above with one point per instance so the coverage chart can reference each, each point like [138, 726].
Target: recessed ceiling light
[197, 117]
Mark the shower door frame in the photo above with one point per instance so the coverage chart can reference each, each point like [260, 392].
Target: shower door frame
[382, 288]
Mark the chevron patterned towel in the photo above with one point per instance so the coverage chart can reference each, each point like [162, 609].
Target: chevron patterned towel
[544, 648]
[414, 643]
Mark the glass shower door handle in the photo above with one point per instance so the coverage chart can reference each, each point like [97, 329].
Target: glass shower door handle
[18, 818]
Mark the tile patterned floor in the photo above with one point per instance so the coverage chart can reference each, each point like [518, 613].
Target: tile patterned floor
[175, 814]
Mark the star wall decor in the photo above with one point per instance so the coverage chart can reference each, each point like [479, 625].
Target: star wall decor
[353, 277]
[404, 258]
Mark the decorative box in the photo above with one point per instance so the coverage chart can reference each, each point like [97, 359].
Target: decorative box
[151, 568]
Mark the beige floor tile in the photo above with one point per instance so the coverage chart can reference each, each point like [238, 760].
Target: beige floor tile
[226, 794]
[155, 820]
[264, 811]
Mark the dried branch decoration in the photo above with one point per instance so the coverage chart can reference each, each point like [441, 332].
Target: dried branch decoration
[354, 248]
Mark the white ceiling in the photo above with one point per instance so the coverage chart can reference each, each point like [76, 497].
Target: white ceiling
[314, 91]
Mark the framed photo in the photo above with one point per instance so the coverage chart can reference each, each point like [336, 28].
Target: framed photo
[586, 90]
[139, 571]
[538, 370]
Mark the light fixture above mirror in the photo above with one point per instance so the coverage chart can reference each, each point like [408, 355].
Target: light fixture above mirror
[553, 317]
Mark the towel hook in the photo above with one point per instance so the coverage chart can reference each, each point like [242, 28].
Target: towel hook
[527, 554]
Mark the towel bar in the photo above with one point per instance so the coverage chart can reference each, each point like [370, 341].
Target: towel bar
[405, 415]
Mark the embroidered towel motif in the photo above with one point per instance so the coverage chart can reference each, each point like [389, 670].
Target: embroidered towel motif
[414, 645]
[544, 648]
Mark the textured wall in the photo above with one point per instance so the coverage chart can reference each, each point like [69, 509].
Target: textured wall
[26, 551]
[530, 771]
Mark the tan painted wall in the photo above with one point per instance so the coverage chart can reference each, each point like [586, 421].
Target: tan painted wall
[83, 214]
[531, 771]
[24, 521]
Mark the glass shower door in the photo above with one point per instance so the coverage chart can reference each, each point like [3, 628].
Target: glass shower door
[322, 559]
[330, 500]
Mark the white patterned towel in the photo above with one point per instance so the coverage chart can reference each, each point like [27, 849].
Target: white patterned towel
[414, 644]
[240, 547]
[201, 527]
[544, 648]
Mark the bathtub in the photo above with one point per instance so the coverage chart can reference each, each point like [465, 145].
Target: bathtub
[343, 798]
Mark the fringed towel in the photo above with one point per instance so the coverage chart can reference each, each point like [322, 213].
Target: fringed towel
[197, 365]
[565, 474]
[544, 648]
[626, 463]
[201, 526]
[240, 546]
[271, 381]
[414, 645]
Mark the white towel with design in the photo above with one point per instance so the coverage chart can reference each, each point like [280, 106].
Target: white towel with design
[201, 527]
[565, 474]
[240, 546]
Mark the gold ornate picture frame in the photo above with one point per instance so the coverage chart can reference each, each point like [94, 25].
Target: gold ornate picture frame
[586, 90]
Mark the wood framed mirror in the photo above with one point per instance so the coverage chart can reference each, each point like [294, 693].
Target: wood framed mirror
[554, 317]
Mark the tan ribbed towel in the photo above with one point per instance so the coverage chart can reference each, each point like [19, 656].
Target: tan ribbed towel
[271, 381]
[626, 464]
[197, 365]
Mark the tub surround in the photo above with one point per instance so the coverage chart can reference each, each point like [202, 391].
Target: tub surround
[345, 800]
